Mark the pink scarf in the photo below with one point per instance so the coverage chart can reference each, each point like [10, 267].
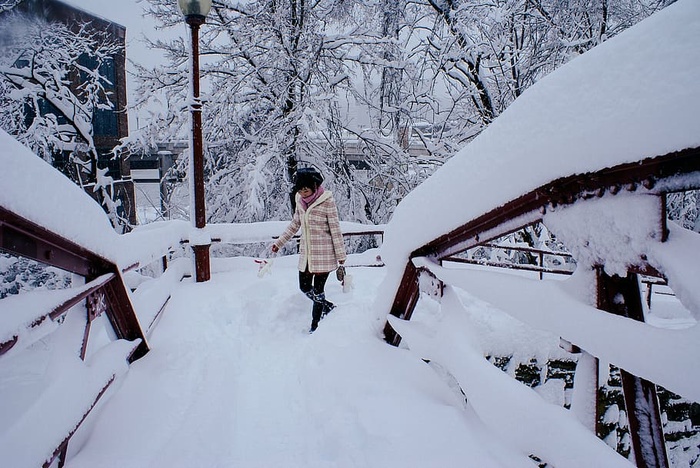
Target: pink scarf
[306, 202]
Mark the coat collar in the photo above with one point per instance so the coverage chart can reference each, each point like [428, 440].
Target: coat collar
[324, 196]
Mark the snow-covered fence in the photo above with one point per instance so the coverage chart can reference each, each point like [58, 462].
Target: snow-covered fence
[267, 231]
[614, 234]
[60, 350]
[161, 242]
[264, 233]
[591, 151]
[540, 267]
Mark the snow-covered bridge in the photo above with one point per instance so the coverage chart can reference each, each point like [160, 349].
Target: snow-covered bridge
[222, 373]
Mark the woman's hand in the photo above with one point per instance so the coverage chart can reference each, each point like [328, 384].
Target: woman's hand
[274, 248]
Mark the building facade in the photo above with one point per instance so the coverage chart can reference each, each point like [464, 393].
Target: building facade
[109, 125]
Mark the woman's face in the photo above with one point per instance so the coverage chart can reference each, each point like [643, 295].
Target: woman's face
[305, 192]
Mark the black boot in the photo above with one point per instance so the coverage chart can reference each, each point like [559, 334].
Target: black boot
[311, 295]
[316, 313]
[327, 307]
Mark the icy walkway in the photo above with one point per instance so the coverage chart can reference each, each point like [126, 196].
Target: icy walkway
[234, 379]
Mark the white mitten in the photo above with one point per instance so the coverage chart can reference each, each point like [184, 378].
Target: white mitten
[264, 268]
[347, 283]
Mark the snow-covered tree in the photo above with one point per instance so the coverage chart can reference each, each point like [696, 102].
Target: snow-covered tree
[7, 5]
[52, 85]
[495, 50]
[279, 78]
[402, 85]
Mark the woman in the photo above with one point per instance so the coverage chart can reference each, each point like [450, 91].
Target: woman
[321, 248]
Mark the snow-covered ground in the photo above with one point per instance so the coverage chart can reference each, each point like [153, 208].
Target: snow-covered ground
[234, 379]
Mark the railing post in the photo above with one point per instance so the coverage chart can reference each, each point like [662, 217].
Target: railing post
[621, 296]
[584, 402]
[404, 302]
[123, 317]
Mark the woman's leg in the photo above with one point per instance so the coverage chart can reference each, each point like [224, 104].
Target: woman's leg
[313, 285]
[319, 283]
[306, 283]
[319, 291]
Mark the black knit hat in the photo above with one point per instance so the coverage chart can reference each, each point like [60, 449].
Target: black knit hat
[308, 177]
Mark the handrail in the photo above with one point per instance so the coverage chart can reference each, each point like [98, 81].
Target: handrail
[654, 175]
[677, 171]
[104, 293]
[63, 446]
[524, 248]
[94, 286]
[540, 268]
[510, 266]
[23, 237]
[62, 305]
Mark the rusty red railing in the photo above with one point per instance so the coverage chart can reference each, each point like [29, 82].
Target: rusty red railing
[104, 294]
[674, 172]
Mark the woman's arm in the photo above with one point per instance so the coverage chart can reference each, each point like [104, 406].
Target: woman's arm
[289, 232]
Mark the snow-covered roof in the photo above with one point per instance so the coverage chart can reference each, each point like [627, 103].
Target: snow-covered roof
[632, 97]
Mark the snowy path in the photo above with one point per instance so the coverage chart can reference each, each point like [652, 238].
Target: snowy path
[234, 379]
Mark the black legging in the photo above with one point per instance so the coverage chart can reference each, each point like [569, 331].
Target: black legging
[315, 282]
[313, 285]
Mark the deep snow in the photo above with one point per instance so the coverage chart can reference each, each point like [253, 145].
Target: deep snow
[233, 379]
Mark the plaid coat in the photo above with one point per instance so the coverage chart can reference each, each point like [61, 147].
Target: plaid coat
[321, 246]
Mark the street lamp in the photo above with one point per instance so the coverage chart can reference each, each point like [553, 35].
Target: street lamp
[195, 12]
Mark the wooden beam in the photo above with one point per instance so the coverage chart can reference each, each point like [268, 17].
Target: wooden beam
[510, 266]
[123, 316]
[655, 175]
[67, 304]
[8, 345]
[61, 449]
[404, 302]
[621, 296]
[19, 236]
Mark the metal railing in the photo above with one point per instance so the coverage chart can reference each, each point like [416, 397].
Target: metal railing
[657, 176]
[104, 294]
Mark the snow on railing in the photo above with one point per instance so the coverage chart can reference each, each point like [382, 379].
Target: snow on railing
[613, 222]
[29, 317]
[60, 318]
[548, 305]
[164, 242]
[248, 233]
[58, 352]
[506, 406]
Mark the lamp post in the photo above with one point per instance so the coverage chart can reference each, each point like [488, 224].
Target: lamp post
[195, 12]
